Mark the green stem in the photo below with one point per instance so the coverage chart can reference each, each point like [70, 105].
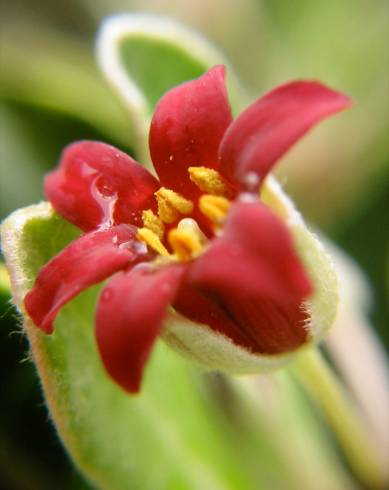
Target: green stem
[278, 411]
[352, 434]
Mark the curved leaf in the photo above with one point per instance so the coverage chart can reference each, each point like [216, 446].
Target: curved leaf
[143, 55]
[54, 72]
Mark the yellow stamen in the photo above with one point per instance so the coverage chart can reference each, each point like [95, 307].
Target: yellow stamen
[153, 223]
[208, 180]
[185, 243]
[214, 207]
[171, 205]
[189, 224]
[152, 240]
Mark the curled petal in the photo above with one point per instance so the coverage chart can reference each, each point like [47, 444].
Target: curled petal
[86, 261]
[98, 185]
[264, 285]
[129, 318]
[186, 130]
[260, 255]
[271, 125]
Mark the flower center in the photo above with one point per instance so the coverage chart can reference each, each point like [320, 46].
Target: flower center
[186, 240]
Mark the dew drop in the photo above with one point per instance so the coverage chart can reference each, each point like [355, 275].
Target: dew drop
[106, 198]
[251, 182]
[247, 197]
[86, 170]
[107, 295]
[138, 247]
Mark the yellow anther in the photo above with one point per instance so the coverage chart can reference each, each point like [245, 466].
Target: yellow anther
[152, 240]
[214, 207]
[208, 180]
[153, 223]
[190, 225]
[171, 205]
[185, 243]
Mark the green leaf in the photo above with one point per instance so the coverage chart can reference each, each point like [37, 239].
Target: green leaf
[142, 56]
[4, 281]
[170, 436]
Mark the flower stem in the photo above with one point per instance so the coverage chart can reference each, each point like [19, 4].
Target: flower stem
[278, 411]
[323, 385]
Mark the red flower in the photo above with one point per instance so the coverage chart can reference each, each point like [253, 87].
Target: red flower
[198, 239]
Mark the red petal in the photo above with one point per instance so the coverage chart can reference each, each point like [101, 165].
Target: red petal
[187, 127]
[98, 185]
[129, 318]
[202, 307]
[255, 255]
[86, 261]
[254, 274]
[271, 125]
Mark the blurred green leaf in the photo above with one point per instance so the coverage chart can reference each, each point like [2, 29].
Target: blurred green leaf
[50, 70]
[168, 437]
[343, 44]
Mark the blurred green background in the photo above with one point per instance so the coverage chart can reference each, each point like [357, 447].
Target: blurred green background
[51, 93]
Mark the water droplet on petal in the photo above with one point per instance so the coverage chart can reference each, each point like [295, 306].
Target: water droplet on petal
[248, 197]
[251, 182]
[138, 247]
[86, 170]
[124, 245]
[106, 198]
[107, 295]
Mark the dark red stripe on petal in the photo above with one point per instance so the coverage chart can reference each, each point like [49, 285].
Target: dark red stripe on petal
[187, 127]
[202, 307]
[271, 326]
[254, 275]
[98, 185]
[130, 317]
[86, 261]
[271, 125]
